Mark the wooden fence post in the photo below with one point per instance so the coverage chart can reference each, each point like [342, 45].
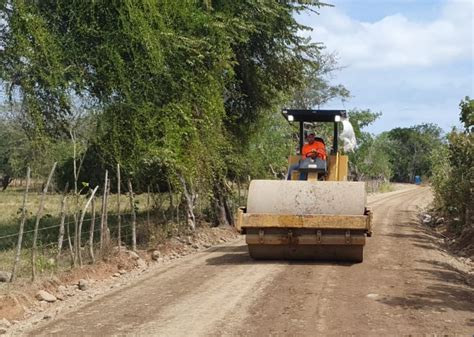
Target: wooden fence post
[119, 216]
[134, 216]
[71, 248]
[106, 222]
[82, 220]
[102, 218]
[38, 218]
[22, 226]
[148, 208]
[61, 225]
[91, 232]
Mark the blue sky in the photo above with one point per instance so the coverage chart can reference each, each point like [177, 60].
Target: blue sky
[411, 60]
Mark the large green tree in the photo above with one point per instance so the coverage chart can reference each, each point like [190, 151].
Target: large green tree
[180, 87]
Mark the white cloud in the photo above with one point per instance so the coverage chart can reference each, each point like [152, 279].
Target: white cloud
[396, 41]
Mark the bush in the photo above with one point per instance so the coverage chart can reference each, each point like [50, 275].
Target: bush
[453, 176]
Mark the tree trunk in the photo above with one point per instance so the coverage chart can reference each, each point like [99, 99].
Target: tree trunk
[5, 182]
[160, 206]
[220, 211]
[190, 198]
[170, 193]
[223, 212]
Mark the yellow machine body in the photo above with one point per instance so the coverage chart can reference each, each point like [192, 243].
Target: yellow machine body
[323, 218]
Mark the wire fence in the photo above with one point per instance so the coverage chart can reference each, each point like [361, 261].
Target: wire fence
[55, 254]
[33, 242]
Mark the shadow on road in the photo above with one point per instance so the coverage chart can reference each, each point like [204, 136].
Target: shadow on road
[224, 249]
[422, 238]
[453, 290]
[426, 246]
[238, 255]
[447, 273]
[438, 297]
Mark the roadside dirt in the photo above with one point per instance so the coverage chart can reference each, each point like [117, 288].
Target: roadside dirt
[18, 302]
[407, 284]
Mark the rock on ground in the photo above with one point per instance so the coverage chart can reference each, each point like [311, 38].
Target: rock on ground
[5, 276]
[45, 296]
[5, 323]
[133, 255]
[155, 255]
[141, 264]
[83, 284]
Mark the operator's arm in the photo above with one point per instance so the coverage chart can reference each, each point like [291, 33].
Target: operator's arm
[305, 151]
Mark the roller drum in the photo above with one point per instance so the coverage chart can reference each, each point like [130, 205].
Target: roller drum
[306, 197]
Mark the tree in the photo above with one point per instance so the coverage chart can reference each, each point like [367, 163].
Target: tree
[317, 89]
[370, 160]
[411, 150]
[467, 113]
[453, 174]
[180, 87]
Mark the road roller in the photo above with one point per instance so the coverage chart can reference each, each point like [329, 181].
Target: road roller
[323, 217]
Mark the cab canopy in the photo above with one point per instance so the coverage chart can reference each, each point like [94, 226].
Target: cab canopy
[302, 116]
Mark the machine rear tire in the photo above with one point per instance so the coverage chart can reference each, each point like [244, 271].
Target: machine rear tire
[349, 253]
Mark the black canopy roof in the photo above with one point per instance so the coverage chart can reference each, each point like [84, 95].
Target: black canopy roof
[300, 115]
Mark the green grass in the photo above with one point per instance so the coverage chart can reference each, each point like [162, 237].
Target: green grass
[386, 187]
[375, 186]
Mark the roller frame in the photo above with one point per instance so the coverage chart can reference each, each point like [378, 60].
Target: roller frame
[305, 237]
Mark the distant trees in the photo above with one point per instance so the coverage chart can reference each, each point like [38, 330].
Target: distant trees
[14, 152]
[369, 161]
[399, 154]
[411, 148]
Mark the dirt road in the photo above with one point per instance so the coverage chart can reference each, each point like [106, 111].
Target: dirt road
[406, 285]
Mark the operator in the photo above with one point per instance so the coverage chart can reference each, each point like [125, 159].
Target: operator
[313, 149]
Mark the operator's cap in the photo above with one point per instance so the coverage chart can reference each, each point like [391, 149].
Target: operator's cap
[311, 133]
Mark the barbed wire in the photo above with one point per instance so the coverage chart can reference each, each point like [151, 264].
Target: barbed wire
[55, 226]
[45, 228]
[65, 224]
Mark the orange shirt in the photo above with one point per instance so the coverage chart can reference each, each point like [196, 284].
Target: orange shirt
[316, 146]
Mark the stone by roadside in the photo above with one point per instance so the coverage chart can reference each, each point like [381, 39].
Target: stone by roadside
[5, 276]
